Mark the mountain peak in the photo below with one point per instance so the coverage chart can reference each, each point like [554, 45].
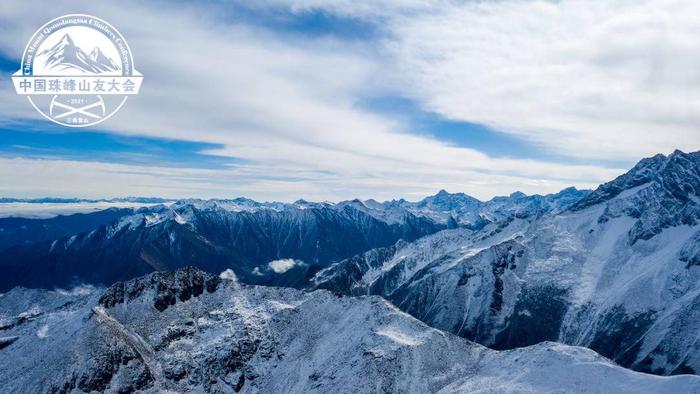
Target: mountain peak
[444, 194]
[446, 201]
[570, 189]
[678, 152]
[678, 173]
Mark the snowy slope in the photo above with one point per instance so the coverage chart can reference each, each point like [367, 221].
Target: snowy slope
[383, 270]
[189, 331]
[617, 272]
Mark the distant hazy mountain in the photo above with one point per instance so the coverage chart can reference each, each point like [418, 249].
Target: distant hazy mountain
[618, 272]
[460, 209]
[188, 331]
[17, 231]
[57, 200]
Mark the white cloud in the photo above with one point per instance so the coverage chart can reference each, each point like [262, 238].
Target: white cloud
[43, 331]
[536, 69]
[612, 80]
[228, 274]
[283, 265]
[80, 290]
[365, 9]
[38, 178]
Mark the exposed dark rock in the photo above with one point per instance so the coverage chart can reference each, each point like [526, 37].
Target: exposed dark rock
[617, 335]
[167, 288]
[7, 341]
[537, 317]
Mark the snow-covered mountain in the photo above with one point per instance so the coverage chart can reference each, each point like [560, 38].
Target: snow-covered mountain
[616, 272]
[214, 235]
[66, 55]
[459, 209]
[247, 236]
[188, 331]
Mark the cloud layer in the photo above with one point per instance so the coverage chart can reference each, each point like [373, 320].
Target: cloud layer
[611, 80]
[582, 79]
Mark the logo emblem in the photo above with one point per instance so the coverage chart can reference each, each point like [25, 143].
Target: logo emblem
[77, 70]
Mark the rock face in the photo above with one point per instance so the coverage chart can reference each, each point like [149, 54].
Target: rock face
[189, 331]
[617, 272]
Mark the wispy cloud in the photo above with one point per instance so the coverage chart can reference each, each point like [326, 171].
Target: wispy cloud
[79, 290]
[597, 80]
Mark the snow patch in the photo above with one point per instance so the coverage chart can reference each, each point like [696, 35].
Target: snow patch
[33, 311]
[153, 219]
[71, 240]
[179, 219]
[281, 305]
[399, 337]
[631, 191]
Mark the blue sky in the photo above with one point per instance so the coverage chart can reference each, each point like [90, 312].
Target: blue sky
[44, 139]
[328, 100]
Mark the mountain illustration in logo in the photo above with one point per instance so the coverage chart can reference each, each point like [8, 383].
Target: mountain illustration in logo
[65, 55]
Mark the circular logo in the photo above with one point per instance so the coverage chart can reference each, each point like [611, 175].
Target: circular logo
[77, 70]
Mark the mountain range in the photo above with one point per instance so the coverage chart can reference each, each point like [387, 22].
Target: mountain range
[241, 234]
[505, 295]
[616, 271]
